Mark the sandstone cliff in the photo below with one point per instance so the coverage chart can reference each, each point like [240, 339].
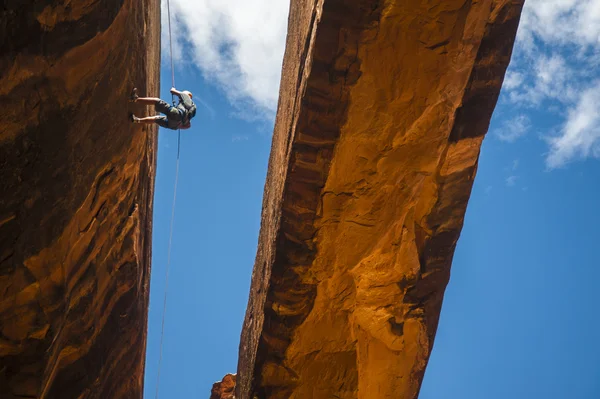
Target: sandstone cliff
[383, 107]
[76, 185]
[224, 389]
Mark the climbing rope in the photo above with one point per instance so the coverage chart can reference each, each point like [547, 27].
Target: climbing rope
[162, 331]
[170, 45]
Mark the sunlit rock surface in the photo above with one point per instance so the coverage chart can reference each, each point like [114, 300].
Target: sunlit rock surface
[76, 185]
[383, 107]
[224, 389]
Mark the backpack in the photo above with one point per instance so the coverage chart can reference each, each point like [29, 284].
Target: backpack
[187, 114]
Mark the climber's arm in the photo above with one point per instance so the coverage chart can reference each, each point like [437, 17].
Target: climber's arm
[185, 99]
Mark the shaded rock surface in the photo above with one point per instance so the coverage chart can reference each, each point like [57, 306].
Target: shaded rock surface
[383, 108]
[76, 184]
[224, 389]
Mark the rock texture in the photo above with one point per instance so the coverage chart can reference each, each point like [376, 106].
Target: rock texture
[224, 389]
[383, 107]
[76, 184]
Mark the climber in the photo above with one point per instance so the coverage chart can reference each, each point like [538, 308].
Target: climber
[175, 117]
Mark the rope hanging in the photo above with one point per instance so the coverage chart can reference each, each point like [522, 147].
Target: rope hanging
[162, 332]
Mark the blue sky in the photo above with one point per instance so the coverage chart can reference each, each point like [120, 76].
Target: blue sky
[520, 313]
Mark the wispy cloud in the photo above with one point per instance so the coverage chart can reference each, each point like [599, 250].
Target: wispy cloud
[555, 70]
[511, 181]
[238, 44]
[236, 138]
[549, 79]
[580, 135]
[513, 129]
[513, 80]
[563, 22]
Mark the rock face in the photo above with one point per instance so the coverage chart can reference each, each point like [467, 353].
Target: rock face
[383, 107]
[76, 184]
[224, 389]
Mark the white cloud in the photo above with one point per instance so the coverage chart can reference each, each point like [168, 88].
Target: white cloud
[550, 78]
[580, 135]
[513, 129]
[554, 71]
[238, 44]
[563, 22]
[511, 181]
[513, 80]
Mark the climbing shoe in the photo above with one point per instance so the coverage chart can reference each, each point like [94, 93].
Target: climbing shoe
[133, 118]
[134, 96]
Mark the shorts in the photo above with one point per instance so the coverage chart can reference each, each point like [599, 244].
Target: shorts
[172, 118]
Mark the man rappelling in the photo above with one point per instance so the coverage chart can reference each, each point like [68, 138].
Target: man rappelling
[175, 117]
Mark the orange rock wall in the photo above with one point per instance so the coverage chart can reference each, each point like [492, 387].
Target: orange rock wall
[224, 389]
[383, 107]
[76, 185]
